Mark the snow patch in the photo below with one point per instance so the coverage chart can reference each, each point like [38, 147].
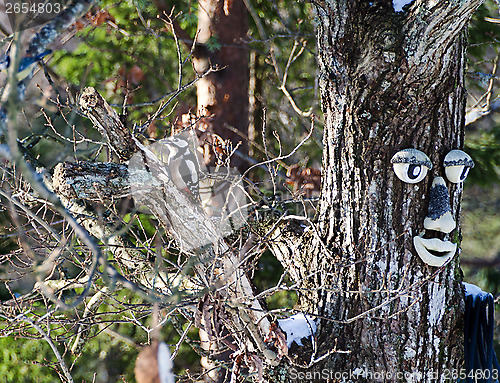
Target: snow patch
[297, 327]
[399, 4]
[474, 290]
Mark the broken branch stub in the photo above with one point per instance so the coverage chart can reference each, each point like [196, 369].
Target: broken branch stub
[108, 123]
[91, 181]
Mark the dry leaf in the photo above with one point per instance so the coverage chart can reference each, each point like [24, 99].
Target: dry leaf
[146, 365]
[279, 338]
[100, 17]
[307, 180]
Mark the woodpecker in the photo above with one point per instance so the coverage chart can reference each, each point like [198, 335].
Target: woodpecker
[182, 165]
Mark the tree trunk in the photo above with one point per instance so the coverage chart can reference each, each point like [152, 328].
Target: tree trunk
[223, 95]
[389, 81]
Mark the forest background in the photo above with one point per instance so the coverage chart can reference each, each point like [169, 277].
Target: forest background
[130, 53]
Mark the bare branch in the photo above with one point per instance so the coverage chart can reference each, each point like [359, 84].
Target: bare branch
[56, 352]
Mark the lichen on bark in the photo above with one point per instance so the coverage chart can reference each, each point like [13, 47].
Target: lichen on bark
[388, 81]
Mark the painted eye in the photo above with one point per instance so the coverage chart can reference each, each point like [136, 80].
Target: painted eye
[457, 165]
[411, 165]
[410, 173]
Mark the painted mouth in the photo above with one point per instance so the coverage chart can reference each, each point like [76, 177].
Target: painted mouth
[433, 251]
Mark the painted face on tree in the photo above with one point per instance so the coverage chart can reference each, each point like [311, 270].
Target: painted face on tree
[411, 166]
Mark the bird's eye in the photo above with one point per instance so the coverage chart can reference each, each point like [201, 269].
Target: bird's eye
[457, 165]
[411, 165]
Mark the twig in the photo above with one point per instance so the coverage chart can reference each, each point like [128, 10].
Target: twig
[45, 336]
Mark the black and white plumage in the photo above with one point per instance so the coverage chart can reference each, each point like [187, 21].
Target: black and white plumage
[164, 178]
[182, 165]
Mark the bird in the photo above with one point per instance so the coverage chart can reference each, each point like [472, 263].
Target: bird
[182, 164]
[26, 64]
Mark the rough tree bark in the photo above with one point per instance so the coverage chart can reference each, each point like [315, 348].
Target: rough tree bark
[389, 81]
